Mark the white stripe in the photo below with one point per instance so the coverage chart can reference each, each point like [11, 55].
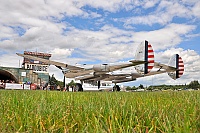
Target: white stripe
[151, 53]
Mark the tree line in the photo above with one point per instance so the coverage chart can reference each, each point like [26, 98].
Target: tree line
[192, 85]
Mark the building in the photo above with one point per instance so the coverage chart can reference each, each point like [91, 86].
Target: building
[31, 71]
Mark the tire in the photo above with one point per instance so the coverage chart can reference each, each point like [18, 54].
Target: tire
[78, 87]
[116, 88]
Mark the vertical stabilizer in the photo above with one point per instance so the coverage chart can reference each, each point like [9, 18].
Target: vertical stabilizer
[150, 57]
[177, 62]
[145, 53]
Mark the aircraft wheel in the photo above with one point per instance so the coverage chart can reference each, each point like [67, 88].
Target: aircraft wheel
[116, 88]
[78, 87]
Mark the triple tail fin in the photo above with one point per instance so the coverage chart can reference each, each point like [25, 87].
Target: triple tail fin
[145, 53]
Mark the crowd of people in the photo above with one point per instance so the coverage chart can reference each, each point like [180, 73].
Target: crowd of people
[3, 82]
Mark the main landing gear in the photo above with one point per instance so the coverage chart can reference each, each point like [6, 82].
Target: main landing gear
[116, 88]
[78, 87]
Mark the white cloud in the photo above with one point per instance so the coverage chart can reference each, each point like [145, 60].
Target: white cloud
[165, 12]
[196, 9]
[65, 52]
[150, 3]
[10, 60]
[169, 36]
[6, 32]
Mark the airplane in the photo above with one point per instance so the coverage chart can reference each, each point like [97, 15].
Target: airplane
[143, 63]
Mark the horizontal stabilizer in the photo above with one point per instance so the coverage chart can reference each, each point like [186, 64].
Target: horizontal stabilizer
[166, 67]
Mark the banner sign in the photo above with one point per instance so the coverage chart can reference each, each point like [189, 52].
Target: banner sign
[27, 87]
[14, 86]
[17, 86]
[37, 67]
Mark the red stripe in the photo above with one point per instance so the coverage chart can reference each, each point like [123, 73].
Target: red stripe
[180, 61]
[150, 51]
[151, 61]
[180, 74]
[181, 67]
[150, 67]
[149, 45]
[150, 56]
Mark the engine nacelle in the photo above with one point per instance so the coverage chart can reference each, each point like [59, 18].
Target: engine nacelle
[101, 68]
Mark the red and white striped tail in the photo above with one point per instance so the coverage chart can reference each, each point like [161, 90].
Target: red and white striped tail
[150, 57]
[180, 67]
[176, 62]
[145, 53]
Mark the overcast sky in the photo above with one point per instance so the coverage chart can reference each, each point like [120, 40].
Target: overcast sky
[102, 31]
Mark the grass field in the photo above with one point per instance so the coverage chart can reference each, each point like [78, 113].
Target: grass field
[52, 111]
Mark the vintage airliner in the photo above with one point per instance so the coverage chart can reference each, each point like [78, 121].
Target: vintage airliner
[143, 64]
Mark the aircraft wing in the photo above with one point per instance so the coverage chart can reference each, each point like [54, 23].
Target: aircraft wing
[58, 64]
[118, 78]
[121, 66]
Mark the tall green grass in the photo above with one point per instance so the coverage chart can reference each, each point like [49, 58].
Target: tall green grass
[51, 111]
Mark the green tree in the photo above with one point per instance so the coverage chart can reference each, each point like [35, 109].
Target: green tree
[194, 84]
[150, 88]
[72, 83]
[141, 86]
[60, 83]
[128, 88]
[134, 88]
[54, 81]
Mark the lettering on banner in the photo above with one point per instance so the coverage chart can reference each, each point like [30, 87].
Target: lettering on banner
[37, 67]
